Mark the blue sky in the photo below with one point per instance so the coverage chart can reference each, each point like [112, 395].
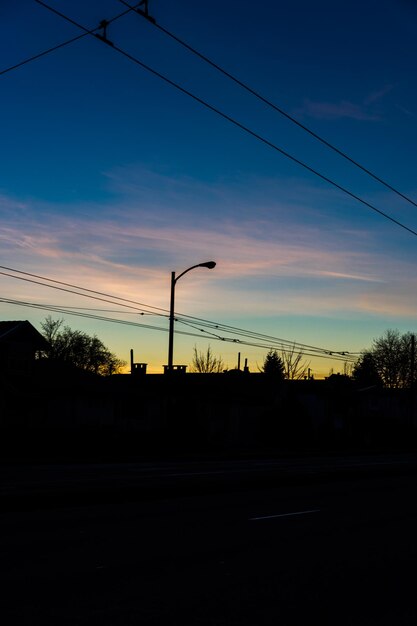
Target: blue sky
[110, 178]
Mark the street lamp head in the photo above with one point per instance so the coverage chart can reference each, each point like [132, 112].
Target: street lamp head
[210, 264]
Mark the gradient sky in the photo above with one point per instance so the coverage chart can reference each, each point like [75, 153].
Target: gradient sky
[110, 178]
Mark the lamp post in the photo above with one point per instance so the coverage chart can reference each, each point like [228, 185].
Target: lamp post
[210, 265]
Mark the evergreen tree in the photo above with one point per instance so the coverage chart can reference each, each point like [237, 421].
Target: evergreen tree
[273, 365]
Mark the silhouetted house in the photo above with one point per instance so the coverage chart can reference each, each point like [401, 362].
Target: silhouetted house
[20, 343]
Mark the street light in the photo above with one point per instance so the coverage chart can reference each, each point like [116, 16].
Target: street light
[210, 265]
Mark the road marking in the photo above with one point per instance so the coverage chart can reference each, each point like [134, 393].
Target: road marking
[255, 519]
[196, 473]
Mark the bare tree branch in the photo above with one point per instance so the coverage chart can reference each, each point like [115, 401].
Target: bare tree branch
[206, 362]
[295, 367]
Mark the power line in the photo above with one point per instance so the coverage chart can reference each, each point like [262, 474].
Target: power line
[241, 126]
[58, 309]
[93, 309]
[102, 23]
[225, 116]
[219, 327]
[273, 106]
[66, 311]
[180, 318]
[85, 295]
[284, 344]
[91, 31]
[42, 54]
[284, 347]
[245, 86]
[264, 140]
[64, 284]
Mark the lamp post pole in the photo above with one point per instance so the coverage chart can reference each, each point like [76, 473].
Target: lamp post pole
[171, 323]
[210, 265]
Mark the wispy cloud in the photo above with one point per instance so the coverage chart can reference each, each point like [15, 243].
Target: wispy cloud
[395, 298]
[404, 110]
[364, 111]
[272, 256]
[377, 95]
[134, 255]
[336, 110]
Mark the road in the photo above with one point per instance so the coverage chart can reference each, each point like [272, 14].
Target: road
[329, 552]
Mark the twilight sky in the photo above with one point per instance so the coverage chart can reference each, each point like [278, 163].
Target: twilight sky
[111, 178]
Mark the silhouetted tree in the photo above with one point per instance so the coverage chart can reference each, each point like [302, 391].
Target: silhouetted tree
[294, 366]
[79, 349]
[393, 357]
[365, 372]
[273, 365]
[392, 354]
[206, 362]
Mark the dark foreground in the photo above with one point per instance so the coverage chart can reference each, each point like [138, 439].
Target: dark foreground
[336, 550]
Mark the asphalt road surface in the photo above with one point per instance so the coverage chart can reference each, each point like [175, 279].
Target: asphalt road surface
[340, 552]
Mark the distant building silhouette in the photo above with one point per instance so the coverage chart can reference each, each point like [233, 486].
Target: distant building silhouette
[20, 343]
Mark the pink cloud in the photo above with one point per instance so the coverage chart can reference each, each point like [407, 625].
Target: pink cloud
[132, 258]
[130, 253]
[393, 299]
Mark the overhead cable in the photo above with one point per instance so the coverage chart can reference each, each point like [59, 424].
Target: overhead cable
[281, 344]
[245, 86]
[217, 326]
[42, 54]
[275, 107]
[91, 31]
[63, 310]
[64, 284]
[241, 126]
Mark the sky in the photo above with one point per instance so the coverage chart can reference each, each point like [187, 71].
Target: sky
[111, 178]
